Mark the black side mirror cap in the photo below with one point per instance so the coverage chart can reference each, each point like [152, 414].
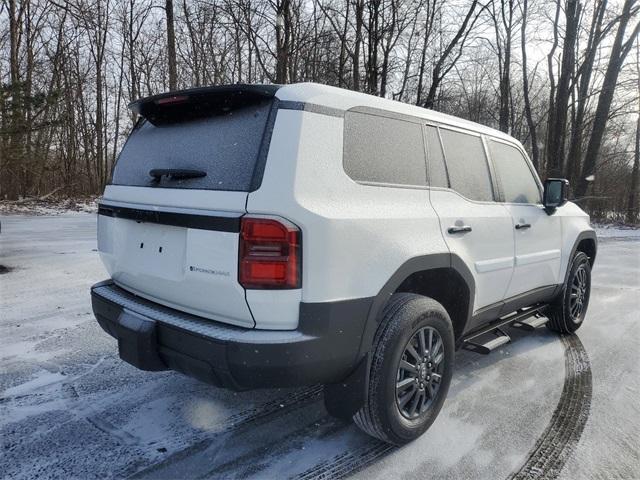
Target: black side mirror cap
[556, 194]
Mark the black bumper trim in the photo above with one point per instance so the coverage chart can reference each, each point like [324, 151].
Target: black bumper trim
[324, 349]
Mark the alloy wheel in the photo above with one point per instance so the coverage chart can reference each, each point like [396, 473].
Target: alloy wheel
[579, 294]
[420, 373]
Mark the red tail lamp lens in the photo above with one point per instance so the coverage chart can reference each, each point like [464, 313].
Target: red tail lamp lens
[269, 254]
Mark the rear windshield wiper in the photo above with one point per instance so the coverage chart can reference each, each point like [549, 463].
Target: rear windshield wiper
[175, 173]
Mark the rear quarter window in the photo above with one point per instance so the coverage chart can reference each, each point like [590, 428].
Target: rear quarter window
[226, 147]
[380, 149]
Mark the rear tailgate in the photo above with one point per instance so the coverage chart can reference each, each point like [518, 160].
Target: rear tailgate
[182, 258]
[171, 238]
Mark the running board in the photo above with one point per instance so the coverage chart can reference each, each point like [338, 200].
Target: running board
[485, 346]
[493, 336]
[530, 324]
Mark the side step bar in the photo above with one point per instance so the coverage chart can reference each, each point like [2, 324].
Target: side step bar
[493, 336]
[496, 338]
[531, 323]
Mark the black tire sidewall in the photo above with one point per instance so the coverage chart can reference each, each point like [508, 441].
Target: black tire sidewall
[418, 313]
[579, 260]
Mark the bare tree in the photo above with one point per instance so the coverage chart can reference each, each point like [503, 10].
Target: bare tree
[633, 206]
[619, 51]
[503, 24]
[451, 54]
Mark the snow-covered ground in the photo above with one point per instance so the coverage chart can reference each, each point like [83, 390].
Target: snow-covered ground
[49, 206]
[617, 231]
[70, 408]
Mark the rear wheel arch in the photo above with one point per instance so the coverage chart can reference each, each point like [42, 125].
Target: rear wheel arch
[441, 276]
[343, 399]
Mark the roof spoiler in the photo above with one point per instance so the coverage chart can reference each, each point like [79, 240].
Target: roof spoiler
[181, 105]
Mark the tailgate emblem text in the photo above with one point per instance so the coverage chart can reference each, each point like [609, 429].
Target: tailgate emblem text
[210, 271]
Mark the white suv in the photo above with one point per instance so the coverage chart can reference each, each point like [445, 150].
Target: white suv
[276, 236]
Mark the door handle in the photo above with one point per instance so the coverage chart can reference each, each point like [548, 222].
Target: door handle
[522, 226]
[462, 229]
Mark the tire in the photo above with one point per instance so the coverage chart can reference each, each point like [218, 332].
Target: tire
[405, 316]
[567, 314]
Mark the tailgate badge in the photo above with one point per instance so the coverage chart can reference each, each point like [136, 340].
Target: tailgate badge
[222, 273]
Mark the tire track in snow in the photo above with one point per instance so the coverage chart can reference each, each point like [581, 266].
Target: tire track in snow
[559, 439]
[546, 459]
[348, 463]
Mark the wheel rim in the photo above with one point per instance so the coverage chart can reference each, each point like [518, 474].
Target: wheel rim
[579, 294]
[420, 373]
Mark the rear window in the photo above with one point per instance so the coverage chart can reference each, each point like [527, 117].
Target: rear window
[226, 147]
[467, 165]
[384, 150]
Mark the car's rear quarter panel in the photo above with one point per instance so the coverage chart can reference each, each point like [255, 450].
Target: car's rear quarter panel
[354, 236]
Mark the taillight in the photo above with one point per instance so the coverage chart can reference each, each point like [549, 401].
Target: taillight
[269, 254]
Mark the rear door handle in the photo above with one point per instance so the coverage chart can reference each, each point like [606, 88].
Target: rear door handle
[522, 226]
[462, 229]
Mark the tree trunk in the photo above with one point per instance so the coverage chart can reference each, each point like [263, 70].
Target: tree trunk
[535, 150]
[282, 41]
[359, 11]
[171, 46]
[13, 158]
[633, 206]
[558, 114]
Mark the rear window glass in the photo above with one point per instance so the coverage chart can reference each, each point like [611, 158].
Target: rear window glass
[384, 150]
[226, 147]
[467, 165]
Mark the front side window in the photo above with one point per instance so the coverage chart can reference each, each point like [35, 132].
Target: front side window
[513, 174]
[379, 149]
[467, 165]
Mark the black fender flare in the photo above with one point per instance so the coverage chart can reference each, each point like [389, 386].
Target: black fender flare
[345, 398]
[586, 235]
[411, 266]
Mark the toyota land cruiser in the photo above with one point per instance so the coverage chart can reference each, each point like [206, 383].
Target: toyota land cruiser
[278, 236]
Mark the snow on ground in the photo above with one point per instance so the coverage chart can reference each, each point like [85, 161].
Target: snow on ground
[70, 408]
[616, 231]
[49, 206]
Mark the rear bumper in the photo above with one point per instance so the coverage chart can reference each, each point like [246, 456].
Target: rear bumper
[324, 349]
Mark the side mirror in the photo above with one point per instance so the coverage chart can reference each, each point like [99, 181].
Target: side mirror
[556, 193]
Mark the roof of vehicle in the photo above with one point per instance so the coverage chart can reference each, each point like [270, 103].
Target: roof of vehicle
[342, 99]
[227, 96]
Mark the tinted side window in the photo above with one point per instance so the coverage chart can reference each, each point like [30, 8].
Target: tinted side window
[514, 176]
[435, 159]
[467, 165]
[383, 150]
